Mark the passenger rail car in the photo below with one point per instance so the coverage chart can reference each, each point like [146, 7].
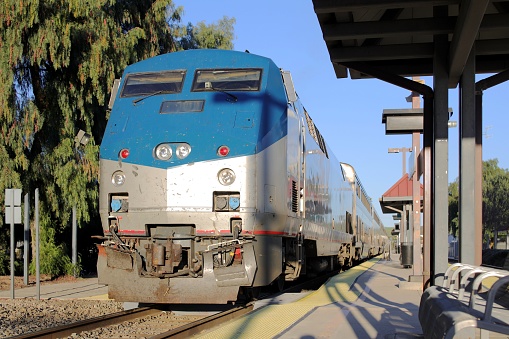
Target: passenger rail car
[215, 182]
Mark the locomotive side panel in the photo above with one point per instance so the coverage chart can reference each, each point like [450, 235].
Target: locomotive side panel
[271, 217]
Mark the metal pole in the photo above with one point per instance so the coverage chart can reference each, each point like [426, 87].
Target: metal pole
[440, 161]
[467, 164]
[416, 208]
[402, 150]
[12, 245]
[416, 194]
[74, 241]
[26, 238]
[403, 225]
[37, 267]
[427, 269]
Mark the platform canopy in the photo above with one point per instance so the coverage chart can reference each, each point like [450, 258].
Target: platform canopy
[452, 41]
[399, 194]
[397, 36]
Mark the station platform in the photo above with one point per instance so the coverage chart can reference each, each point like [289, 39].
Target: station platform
[372, 300]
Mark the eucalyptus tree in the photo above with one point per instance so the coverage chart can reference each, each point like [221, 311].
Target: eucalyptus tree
[58, 60]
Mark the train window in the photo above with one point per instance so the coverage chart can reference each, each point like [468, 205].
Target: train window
[245, 79]
[153, 83]
[315, 133]
[181, 106]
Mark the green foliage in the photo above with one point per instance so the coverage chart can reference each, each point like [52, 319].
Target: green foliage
[495, 199]
[218, 35]
[5, 268]
[453, 208]
[4, 262]
[495, 204]
[53, 258]
[58, 61]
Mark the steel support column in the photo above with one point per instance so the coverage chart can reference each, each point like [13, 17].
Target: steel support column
[428, 109]
[478, 169]
[440, 183]
[468, 170]
[416, 207]
[480, 86]
[427, 234]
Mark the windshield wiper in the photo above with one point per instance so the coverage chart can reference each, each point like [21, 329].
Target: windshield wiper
[232, 97]
[150, 95]
[208, 85]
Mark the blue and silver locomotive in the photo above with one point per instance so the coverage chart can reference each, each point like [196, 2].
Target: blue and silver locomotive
[215, 182]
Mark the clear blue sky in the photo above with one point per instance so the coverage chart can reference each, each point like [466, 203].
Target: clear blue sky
[347, 112]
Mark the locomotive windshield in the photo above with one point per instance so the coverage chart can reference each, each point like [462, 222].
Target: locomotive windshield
[153, 83]
[246, 79]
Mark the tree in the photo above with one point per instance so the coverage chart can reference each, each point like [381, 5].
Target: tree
[495, 200]
[213, 36]
[58, 60]
[453, 207]
[495, 204]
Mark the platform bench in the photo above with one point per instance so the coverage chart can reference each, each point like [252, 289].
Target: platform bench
[464, 307]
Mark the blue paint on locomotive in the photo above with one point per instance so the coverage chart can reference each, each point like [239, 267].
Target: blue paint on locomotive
[249, 125]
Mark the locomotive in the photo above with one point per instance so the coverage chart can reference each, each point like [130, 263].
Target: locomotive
[215, 182]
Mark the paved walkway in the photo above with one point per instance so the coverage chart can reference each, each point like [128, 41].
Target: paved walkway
[81, 288]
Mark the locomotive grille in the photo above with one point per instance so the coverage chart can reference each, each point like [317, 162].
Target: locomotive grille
[295, 197]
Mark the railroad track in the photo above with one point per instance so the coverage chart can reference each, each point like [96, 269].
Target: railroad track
[175, 326]
[182, 331]
[90, 324]
[206, 323]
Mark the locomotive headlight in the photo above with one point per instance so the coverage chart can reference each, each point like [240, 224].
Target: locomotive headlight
[183, 150]
[226, 176]
[118, 178]
[163, 152]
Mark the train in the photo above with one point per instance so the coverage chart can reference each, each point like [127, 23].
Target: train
[215, 183]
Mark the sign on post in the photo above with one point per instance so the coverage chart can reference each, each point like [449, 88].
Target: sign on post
[12, 199]
[12, 216]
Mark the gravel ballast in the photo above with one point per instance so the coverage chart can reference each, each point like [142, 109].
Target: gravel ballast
[20, 316]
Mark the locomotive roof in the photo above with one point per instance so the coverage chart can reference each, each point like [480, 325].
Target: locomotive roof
[197, 58]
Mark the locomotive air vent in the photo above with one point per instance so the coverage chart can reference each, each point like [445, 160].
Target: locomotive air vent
[295, 197]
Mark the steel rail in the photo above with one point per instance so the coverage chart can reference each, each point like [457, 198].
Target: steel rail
[206, 323]
[89, 324]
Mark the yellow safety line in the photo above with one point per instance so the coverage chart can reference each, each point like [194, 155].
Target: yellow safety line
[337, 289]
[271, 320]
[98, 297]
